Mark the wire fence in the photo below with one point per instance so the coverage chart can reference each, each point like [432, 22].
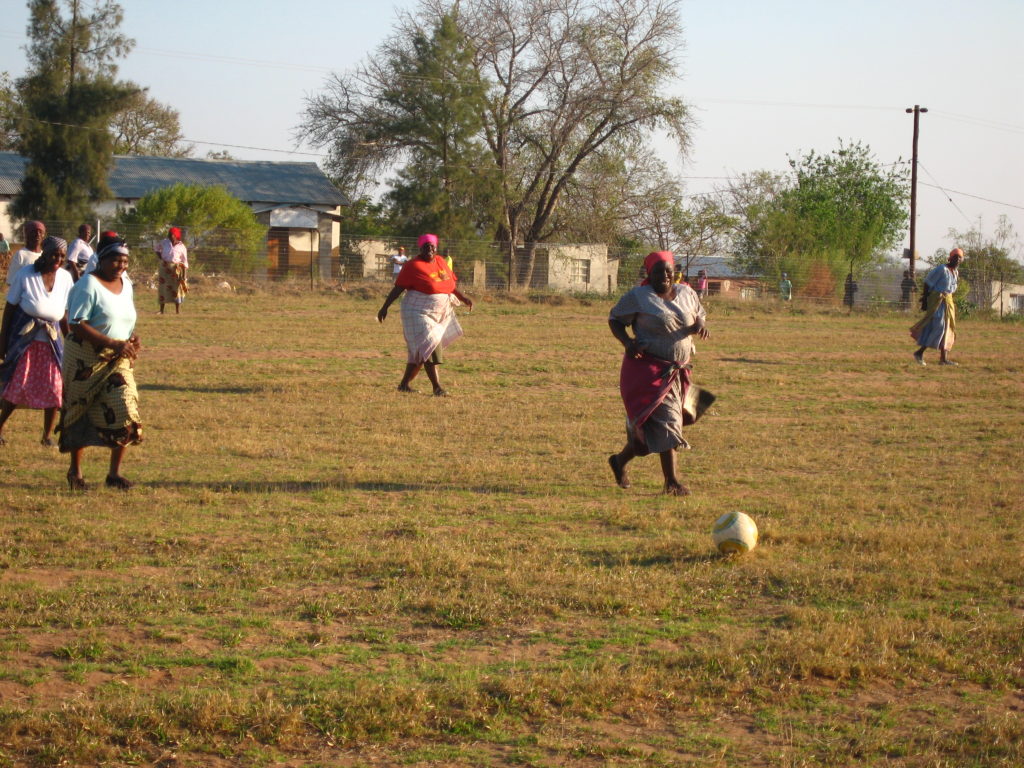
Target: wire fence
[308, 257]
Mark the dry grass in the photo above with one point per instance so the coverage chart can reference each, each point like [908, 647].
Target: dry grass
[315, 570]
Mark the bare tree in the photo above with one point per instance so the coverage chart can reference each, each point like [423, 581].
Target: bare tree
[563, 79]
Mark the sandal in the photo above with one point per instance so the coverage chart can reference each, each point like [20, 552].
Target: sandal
[77, 483]
[439, 392]
[122, 484]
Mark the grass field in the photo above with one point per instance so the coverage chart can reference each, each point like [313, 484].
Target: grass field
[316, 570]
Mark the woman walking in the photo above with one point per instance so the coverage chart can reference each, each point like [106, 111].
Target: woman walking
[173, 280]
[428, 312]
[32, 337]
[937, 329]
[100, 397]
[654, 380]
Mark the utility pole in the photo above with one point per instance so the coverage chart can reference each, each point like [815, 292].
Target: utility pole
[912, 256]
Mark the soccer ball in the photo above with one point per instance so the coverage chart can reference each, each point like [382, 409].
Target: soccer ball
[734, 533]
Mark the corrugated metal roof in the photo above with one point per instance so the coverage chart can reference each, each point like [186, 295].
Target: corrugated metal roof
[717, 266]
[252, 181]
[12, 168]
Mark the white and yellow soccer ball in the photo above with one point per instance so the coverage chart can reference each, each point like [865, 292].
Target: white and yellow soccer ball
[734, 533]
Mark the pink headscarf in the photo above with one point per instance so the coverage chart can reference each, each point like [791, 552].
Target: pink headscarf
[653, 258]
[426, 239]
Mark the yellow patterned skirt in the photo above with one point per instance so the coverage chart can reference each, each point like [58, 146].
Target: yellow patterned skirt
[173, 283]
[101, 401]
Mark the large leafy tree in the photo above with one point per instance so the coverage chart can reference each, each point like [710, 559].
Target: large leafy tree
[836, 212]
[854, 206]
[436, 100]
[220, 228]
[65, 104]
[563, 80]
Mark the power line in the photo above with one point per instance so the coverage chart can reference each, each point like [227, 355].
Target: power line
[932, 176]
[488, 168]
[799, 104]
[185, 140]
[976, 197]
[233, 60]
[981, 122]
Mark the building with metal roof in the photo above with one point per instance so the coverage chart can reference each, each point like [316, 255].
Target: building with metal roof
[297, 202]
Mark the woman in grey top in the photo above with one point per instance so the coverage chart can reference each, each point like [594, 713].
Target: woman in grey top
[655, 376]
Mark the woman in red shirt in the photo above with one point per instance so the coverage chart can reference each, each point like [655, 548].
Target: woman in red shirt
[428, 311]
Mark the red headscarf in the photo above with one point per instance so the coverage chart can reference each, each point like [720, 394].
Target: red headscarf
[174, 232]
[653, 258]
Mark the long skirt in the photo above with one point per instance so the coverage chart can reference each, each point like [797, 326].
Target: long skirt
[660, 400]
[101, 401]
[36, 382]
[173, 286]
[428, 323]
[937, 329]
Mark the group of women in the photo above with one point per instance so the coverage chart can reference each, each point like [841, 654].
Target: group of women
[654, 382]
[72, 346]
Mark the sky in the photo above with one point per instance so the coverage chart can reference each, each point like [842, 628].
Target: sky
[765, 81]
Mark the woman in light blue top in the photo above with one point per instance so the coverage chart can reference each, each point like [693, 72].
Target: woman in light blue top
[937, 329]
[100, 397]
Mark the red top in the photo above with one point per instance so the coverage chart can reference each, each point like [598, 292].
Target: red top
[426, 276]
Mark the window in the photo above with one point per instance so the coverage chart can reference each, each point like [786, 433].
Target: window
[580, 271]
[385, 269]
[1017, 302]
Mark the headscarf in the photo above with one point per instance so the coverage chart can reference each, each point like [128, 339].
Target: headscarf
[653, 258]
[49, 246]
[53, 244]
[174, 232]
[110, 246]
[106, 238]
[426, 239]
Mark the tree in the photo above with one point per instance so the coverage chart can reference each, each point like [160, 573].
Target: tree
[840, 210]
[147, 127]
[439, 190]
[421, 102]
[767, 238]
[624, 195]
[701, 229]
[988, 259]
[854, 206]
[563, 80]
[9, 105]
[220, 228]
[66, 102]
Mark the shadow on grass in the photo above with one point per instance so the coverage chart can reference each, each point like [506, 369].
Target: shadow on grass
[748, 360]
[308, 486]
[201, 390]
[619, 560]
